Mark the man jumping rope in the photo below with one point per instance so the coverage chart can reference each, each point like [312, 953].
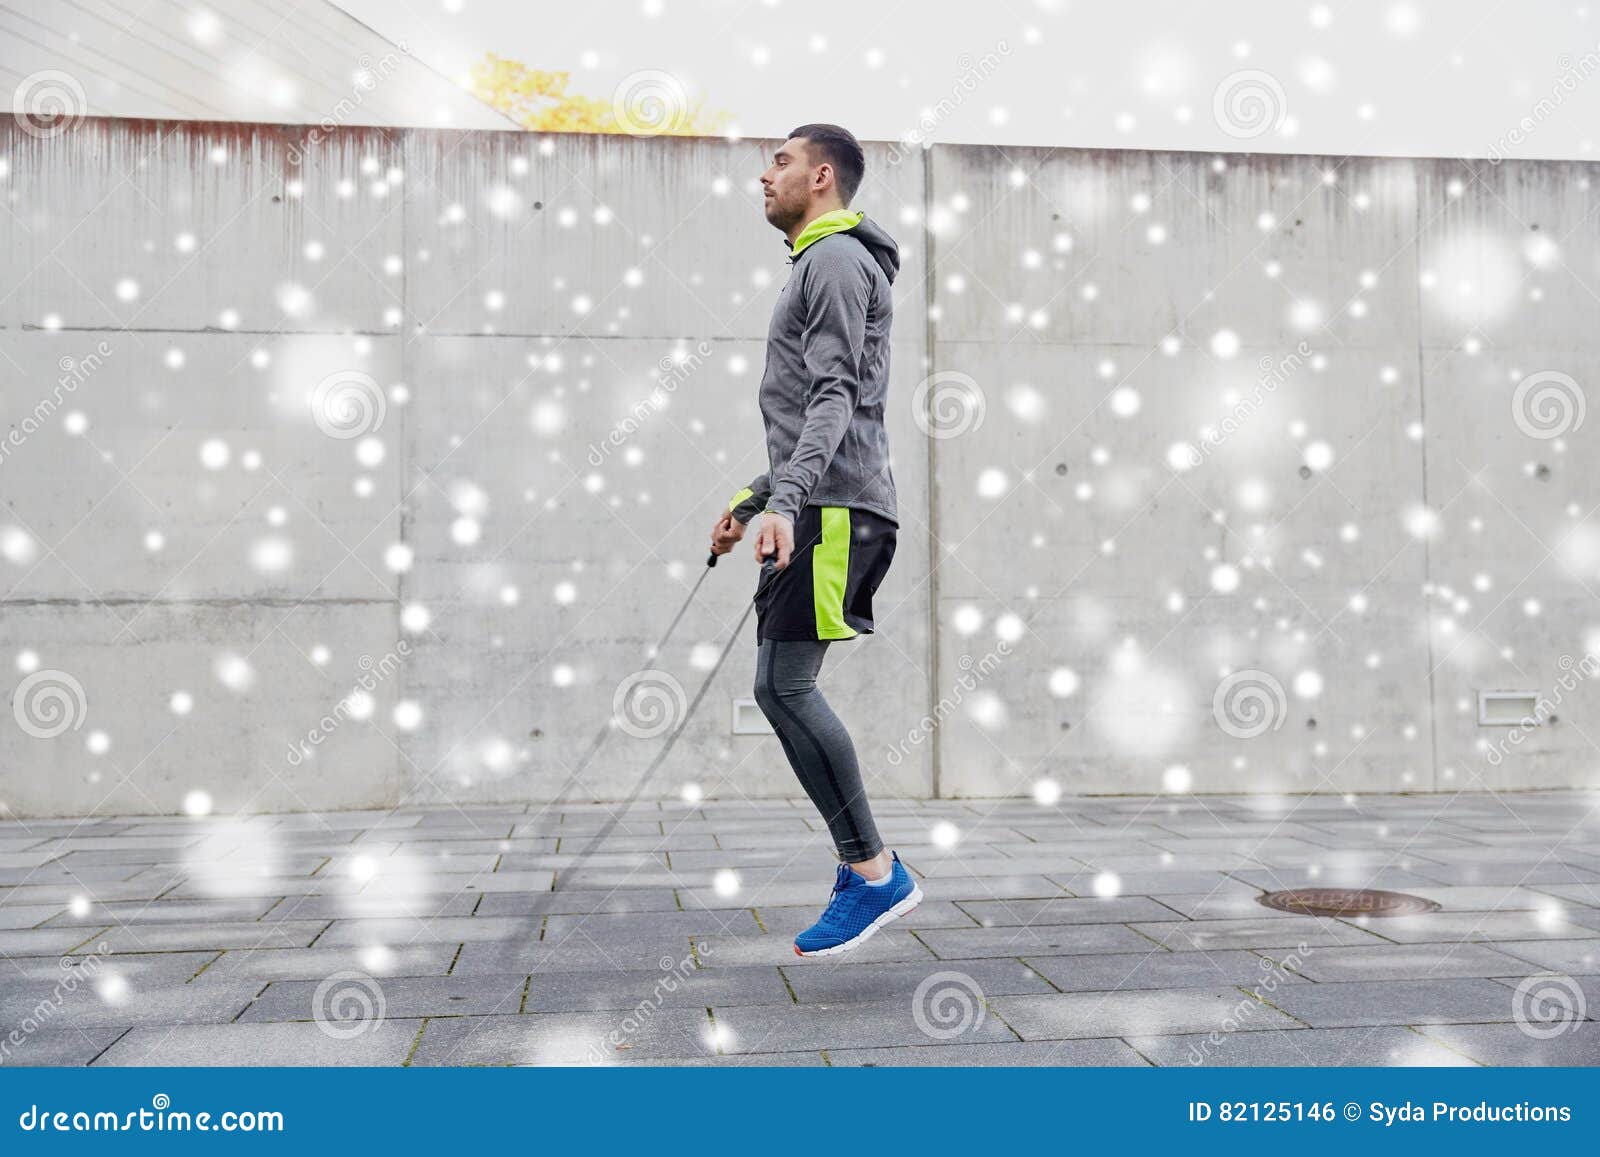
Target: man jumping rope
[827, 504]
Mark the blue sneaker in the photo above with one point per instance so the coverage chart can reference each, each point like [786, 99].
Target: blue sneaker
[857, 910]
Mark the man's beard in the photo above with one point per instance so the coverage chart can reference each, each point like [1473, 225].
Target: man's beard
[783, 217]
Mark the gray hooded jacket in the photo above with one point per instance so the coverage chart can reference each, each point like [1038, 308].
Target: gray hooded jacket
[827, 375]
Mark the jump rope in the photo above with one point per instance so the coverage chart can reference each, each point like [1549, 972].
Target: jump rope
[596, 839]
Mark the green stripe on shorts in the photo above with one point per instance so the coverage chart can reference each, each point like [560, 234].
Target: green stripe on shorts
[830, 570]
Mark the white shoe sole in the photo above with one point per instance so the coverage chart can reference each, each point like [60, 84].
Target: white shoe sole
[865, 934]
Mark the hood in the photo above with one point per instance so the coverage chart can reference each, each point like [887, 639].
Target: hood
[869, 233]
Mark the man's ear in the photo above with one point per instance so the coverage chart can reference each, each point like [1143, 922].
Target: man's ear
[823, 181]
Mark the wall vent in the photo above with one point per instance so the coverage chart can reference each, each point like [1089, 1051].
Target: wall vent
[1508, 708]
[748, 718]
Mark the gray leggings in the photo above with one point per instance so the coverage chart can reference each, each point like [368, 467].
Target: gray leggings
[818, 746]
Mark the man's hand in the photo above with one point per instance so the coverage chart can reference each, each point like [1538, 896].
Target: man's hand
[776, 537]
[725, 533]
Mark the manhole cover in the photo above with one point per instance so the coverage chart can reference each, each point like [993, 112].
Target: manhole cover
[1347, 902]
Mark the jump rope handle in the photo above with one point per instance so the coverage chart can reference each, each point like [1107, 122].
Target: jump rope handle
[711, 559]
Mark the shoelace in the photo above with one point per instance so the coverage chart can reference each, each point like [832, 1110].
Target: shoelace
[835, 900]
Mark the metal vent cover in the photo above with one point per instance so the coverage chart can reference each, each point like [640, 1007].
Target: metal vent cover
[1347, 902]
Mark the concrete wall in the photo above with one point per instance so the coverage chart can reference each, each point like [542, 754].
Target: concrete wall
[469, 543]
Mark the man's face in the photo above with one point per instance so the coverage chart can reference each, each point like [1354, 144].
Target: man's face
[788, 185]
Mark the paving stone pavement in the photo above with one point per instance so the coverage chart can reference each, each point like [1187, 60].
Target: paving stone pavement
[1096, 931]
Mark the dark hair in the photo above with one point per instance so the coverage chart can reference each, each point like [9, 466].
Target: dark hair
[839, 148]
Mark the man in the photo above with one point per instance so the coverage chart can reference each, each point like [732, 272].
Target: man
[826, 503]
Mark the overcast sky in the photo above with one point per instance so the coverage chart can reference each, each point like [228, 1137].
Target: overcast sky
[1418, 77]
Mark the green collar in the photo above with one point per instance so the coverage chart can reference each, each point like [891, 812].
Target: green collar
[836, 221]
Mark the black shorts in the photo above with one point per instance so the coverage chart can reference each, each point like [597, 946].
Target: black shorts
[840, 556]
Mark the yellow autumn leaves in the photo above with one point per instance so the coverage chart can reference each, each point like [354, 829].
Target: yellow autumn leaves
[646, 103]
